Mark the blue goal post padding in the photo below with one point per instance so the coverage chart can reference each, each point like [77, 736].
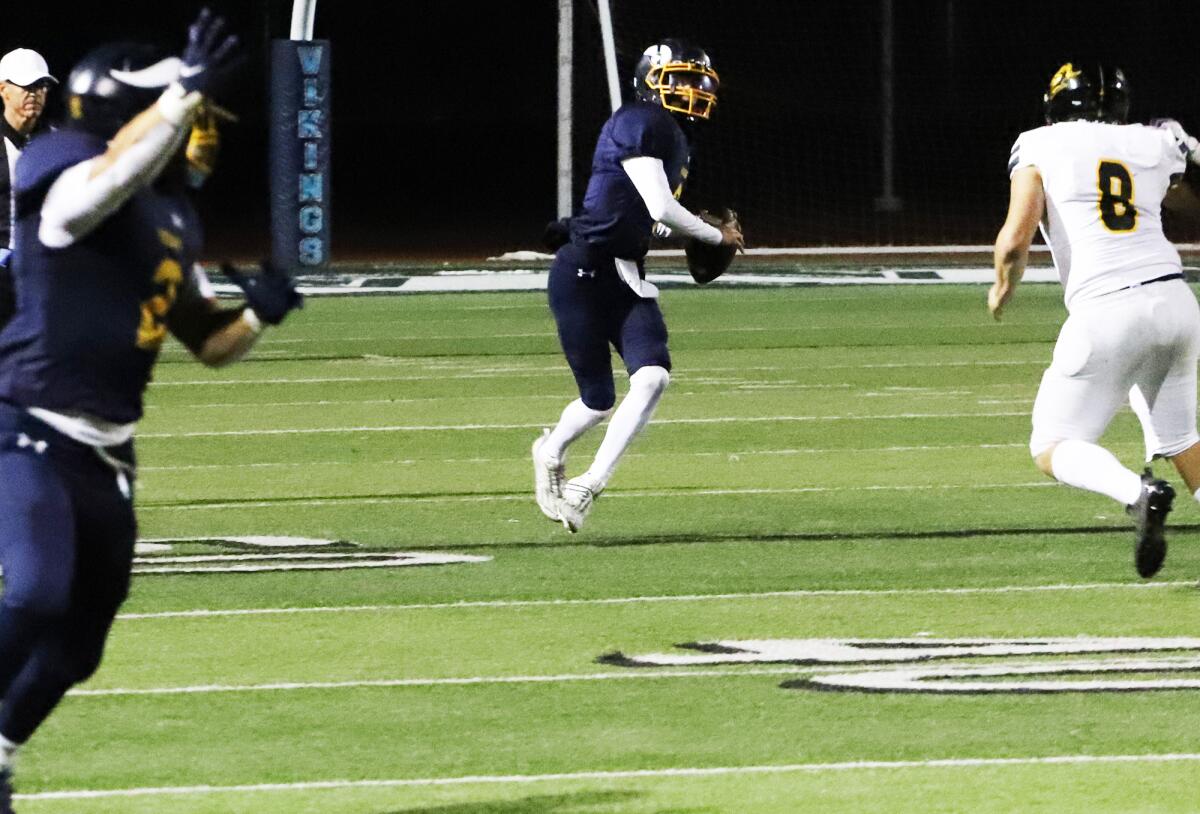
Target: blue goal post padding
[300, 153]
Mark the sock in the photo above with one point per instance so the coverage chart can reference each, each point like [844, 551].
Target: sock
[1088, 466]
[1196, 495]
[646, 387]
[577, 418]
[8, 750]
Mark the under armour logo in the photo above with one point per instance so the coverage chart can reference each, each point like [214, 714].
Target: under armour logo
[586, 273]
[24, 441]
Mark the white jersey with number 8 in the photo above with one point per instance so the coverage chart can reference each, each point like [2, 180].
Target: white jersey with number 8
[1104, 186]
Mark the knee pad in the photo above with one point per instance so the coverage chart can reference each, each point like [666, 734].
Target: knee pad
[598, 395]
[651, 378]
[39, 598]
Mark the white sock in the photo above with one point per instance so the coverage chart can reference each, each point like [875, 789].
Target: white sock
[1196, 495]
[646, 387]
[577, 418]
[1092, 467]
[8, 751]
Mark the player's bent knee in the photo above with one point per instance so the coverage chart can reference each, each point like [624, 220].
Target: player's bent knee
[651, 378]
[600, 398]
[37, 600]
[1042, 457]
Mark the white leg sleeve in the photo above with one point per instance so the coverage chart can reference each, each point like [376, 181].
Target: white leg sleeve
[577, 418]
[646, 387]
[1088, 466]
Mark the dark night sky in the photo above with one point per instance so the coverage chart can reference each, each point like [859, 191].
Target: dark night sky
[444, 134]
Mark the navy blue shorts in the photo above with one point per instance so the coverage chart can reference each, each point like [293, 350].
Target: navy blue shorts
[594, 309]
[67, 529]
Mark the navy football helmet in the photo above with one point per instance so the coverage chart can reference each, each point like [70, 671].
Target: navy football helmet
[113, 83]
[679, 77]
[1085, 91]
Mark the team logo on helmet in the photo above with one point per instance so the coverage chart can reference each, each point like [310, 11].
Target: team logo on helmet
[1065, 77]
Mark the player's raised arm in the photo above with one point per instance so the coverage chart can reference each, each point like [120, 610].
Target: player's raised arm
[1027, 202]
[85, 194]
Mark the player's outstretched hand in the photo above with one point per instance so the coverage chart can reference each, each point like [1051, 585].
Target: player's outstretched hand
[271, 292]
[209, 53]
[1188, 143]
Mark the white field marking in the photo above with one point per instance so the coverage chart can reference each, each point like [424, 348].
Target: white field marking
[252, 405]
[649, 600]
[539, 425]
[483, 373]
[736, 384]
[731, 456]
[794, 490]
[632, 774]
[463, 681]
[720, 329]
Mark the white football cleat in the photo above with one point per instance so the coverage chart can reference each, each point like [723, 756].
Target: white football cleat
[548, 477]
[578, 496]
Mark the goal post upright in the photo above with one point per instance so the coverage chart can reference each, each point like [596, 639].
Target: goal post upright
[300, 154]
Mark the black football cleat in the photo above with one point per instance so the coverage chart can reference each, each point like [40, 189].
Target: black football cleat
[6, 792]
[1149, 515]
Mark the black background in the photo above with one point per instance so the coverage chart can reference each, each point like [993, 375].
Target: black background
[444, 113]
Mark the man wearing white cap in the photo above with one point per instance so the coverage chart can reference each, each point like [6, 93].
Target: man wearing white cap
[25, 81]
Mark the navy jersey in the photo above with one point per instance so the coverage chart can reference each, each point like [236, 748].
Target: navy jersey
[614, 217]
[91, 317]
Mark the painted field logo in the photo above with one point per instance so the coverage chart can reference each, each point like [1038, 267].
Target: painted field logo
[914, 665]
[255, 554]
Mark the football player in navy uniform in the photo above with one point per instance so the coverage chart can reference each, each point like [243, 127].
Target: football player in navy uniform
[105, 246]
[597, 289]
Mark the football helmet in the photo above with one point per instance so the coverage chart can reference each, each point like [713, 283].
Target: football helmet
[1087, 91]
[679, 77]
[114, 82]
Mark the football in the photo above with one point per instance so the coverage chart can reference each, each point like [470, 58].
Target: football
[705, 261]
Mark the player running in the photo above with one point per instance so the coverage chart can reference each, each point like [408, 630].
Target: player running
[598, 291]
[1095, 185]
[106, 242]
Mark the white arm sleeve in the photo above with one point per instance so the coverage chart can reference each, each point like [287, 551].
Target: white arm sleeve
[650, 179]
[77, 203]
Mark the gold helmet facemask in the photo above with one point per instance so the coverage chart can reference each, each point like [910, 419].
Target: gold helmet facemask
[685, 87]
[204, 143]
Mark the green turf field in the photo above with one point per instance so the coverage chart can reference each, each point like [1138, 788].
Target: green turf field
[829, 463]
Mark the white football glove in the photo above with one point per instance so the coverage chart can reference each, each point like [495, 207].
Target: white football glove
[661, 230]
[1189, 144]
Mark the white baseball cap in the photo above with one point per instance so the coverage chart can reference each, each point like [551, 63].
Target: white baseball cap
[24, 67]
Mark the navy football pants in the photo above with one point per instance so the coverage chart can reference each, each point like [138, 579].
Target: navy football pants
[66, 545]
[594, 309]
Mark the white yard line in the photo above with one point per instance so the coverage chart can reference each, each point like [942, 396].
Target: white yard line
[730, 455]
[464, 681]
[636, 600]
[633, 774]
[385, 499]
[560, 371]
[539, 425]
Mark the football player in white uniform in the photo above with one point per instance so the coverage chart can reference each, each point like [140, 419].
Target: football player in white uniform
[1095, 186]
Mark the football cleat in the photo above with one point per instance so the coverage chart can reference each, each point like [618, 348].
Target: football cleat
[548, 477]
[578, 496]
[1149, 515]
[6, 791]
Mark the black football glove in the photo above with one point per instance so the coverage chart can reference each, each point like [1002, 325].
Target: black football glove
[271, 292]
[207, 55]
